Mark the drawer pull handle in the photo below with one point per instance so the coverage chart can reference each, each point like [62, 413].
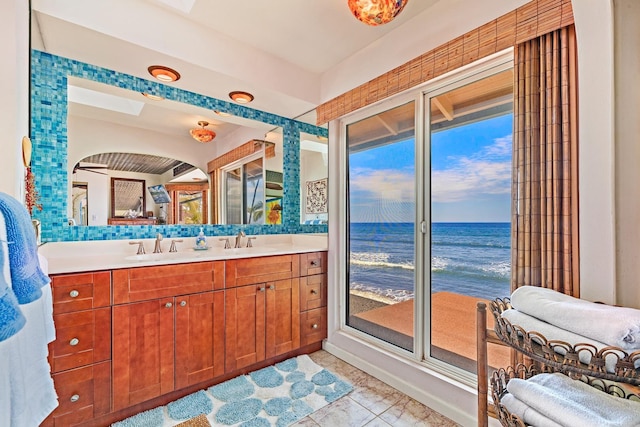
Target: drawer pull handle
[74, 341]
[314, 326]
[74, 293]
[272, 287]
[262, 289]
[168, 305]
[75, 398]
[315, 263]
[183, 303]
[314, 292]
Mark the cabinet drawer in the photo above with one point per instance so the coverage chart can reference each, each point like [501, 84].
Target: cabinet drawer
[83, 394]
[83, 291]
[313, 326]
[82, 338]
[313, 263]
[313, 292]
[247, 271]
[145, 283]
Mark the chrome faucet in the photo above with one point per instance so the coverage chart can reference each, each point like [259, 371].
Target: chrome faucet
[239, 239]
[158, 249]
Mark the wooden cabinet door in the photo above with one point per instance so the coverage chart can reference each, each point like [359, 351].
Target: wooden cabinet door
[282, 317]
[245, 326]
[199, 338]
[143, 351]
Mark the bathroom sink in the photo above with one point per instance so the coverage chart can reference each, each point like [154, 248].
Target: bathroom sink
[194, 254]
[255, 249]
[150, 257]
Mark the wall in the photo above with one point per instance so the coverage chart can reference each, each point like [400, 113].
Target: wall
[14, 86]
[594, 27]
[627, 149]
[49, 129]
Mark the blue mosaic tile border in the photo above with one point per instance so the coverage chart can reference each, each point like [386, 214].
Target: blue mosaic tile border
[49, 160]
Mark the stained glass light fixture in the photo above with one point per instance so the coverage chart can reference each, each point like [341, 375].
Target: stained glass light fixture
[376, 12]
[201, 134]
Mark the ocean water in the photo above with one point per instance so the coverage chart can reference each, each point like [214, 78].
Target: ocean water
[466, 258]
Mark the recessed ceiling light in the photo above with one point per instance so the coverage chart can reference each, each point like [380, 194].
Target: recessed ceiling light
[164, 74]
[241, 97]
[152, 97]
[222, 113]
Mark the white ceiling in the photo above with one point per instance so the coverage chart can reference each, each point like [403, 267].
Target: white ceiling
[291, 54]
[277, 50]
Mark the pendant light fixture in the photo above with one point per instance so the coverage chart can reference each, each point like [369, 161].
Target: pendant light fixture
[376, 12]
[201, 134]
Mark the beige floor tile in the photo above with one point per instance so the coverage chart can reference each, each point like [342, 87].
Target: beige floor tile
[409, 412]
[377, 422]
[375, 395]
[305, 422]
[342, 413]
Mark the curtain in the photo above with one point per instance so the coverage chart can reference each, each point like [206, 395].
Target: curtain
[544, 220]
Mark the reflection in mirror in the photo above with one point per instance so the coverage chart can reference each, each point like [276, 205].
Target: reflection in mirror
[79, 201]
[128, 198]
[251, 182]
[313, 179]
[100, 170]
[106, 119]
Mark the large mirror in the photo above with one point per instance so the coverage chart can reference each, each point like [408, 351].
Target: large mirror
[122, 135]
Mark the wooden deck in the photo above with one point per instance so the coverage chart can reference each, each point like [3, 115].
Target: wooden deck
[453, 328]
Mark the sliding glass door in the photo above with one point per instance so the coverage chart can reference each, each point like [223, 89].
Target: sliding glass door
[381, 242]
[470, 130]
[428, 217]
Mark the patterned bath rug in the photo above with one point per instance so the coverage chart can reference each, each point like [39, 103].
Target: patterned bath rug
[277, 395]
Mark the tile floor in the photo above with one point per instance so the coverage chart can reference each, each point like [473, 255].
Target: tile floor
[372, 403]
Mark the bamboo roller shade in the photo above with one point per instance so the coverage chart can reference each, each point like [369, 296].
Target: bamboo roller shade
[531, 20]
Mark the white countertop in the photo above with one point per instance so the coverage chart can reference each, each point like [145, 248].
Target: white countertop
[79, 256]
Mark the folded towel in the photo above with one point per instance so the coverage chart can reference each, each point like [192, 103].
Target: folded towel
[11, 317]
[551, 332]
[526, 413]
[615, 326]
[573, 403]
[26, 276]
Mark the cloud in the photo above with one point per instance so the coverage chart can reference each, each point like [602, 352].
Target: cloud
[487, 172]
[390, 184]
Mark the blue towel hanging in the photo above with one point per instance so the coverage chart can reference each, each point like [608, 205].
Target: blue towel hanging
[26, 276]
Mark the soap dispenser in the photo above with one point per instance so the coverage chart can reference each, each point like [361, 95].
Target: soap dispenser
[201, 240]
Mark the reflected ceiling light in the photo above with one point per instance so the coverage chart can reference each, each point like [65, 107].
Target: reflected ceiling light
[241, 97]
[164, 74]
[152, 96]
[376, 12]
[201, 134]
[222, 113]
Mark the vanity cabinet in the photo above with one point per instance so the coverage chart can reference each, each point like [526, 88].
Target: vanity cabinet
[80, 357]
[313, 297]
[128, 337]
[164, 344]
[262, 316]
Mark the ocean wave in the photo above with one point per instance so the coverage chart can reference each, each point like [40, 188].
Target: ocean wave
[491, 245]
[378, 259]
[388, 296]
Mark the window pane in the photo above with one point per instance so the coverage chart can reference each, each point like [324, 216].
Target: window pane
[233, 196]
[190, 209]
[381, 246]
[471, 130]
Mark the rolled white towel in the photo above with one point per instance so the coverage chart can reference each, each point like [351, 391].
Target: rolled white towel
[573, 403]
[551, 332]
[615, 326]
[526, 413]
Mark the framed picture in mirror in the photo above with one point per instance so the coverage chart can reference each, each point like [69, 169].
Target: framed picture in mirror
[127, 198]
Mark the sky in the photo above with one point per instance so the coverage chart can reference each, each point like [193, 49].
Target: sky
[470, 176]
